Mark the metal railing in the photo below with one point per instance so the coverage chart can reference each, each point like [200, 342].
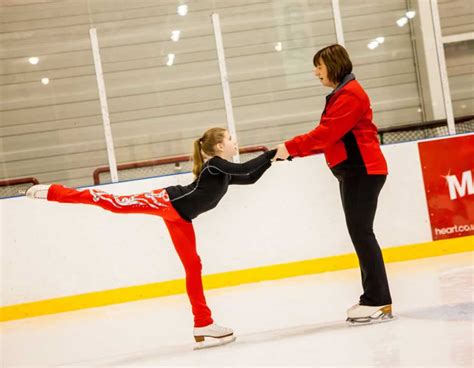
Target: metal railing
[431, 129]
[159, 167]
[178, 164]
[15, 187]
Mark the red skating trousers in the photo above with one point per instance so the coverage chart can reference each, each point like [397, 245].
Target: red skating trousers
[157, 203]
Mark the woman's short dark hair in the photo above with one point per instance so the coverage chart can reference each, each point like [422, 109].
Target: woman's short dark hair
[336, 59]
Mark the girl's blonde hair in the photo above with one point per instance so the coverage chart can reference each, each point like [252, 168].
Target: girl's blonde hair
[205, 147]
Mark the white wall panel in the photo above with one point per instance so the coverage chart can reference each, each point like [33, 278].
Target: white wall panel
[293, 213]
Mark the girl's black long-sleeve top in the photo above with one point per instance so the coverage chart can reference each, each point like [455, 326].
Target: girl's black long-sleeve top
[205, 192]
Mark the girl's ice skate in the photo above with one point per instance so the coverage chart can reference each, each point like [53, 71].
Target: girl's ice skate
[365, 314]
[212, 335]
[39, 191]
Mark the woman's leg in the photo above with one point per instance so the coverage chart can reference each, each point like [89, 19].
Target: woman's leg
[184, 240]
[156, 202]
[360, 196]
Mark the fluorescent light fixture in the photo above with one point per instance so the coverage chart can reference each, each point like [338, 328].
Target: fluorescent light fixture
[278, 46]
[380, 39]
[182, 10]
[33, 60]
[402, 21]
[45, 81]
[410, 14]
[170, 59]
[373, 45]
[175, 35]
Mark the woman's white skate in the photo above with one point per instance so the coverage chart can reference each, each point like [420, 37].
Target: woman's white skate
[364, 314]
[212, 336]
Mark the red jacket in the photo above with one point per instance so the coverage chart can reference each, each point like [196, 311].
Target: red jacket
[346, 134]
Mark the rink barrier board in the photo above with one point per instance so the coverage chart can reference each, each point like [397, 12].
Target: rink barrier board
[232, 278]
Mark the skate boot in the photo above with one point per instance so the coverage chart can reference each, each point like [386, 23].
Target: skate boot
[39, 191]
[212, 335]
[365, 314]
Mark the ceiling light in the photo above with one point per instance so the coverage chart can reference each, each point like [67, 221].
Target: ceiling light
[402, 21]
[373, 45]
[175, 35]
[183, 10]
[170, 59]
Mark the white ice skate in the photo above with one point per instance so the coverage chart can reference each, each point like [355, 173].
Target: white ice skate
[365, 314]
[212, 335]
[39, 191]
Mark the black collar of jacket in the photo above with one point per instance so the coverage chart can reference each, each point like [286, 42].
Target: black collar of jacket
[349, 77]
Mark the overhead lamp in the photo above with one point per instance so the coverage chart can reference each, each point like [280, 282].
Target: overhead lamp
[402, 21]
[170, 59]
[373, 45]
[175, 35]
[182, 10]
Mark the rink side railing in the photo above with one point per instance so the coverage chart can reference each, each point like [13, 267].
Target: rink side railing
[165, 166]
[14, 187]
[430, 129]
[180, 164]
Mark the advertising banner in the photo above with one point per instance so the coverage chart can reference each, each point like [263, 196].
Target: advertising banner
[448, 167]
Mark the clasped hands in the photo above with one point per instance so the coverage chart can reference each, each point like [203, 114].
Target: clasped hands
[282, 153]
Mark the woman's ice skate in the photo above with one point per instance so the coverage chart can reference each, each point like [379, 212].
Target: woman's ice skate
[39, 191]
[365, 314]
[212, 335]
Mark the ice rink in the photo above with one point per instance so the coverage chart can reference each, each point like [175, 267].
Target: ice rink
[290, 322]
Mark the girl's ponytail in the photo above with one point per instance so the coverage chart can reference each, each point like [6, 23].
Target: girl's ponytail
[197, 157]
[205, 147]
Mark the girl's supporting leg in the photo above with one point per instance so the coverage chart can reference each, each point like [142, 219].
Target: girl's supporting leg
[184, 240]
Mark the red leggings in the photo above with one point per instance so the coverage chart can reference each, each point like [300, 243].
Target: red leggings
[157, 203]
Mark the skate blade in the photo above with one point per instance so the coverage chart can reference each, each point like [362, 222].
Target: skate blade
[214, 342]
[369, 321]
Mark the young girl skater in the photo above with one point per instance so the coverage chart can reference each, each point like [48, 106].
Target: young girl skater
[178, 206]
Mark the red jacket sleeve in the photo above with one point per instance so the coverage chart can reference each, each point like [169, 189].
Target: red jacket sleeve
[340, 118]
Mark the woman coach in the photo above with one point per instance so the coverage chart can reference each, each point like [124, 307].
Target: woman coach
[347, 136]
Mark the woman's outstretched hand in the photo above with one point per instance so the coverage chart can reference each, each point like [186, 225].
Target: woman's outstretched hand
[282, 153]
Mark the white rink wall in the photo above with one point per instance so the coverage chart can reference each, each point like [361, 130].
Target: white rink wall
[293, 213]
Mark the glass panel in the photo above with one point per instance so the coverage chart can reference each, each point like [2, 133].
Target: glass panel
[384, 59]
[162, 77]
[460, 65]
[269, 48]
[50, 119]
[456, 16]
